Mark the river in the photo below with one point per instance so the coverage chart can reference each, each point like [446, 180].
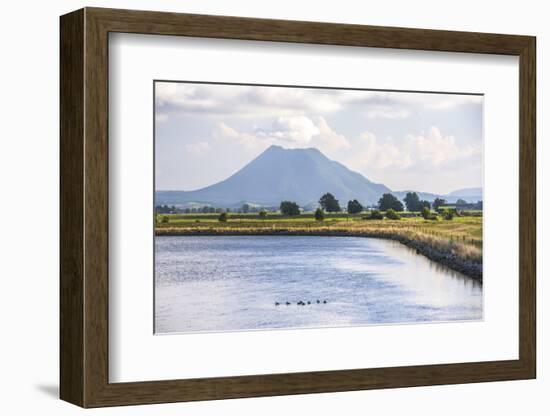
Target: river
[233, 283]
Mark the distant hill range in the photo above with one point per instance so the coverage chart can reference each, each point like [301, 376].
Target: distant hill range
[299, 175]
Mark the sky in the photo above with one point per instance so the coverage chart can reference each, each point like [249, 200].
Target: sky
[429, 142]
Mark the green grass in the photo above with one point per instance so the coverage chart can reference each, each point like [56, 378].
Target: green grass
[464, 230]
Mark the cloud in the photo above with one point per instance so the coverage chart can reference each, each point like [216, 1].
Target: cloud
[161, 117]
[291, 129]
[243, 100]
[225, 132]
[427, 151]
[327, 139]
[387, 112]
[261, 101]
[287, 131]
[198, 148]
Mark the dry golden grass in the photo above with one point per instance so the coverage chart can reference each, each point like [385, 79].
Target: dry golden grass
[462, 236]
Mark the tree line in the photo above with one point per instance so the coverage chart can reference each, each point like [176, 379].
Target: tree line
[328, 203]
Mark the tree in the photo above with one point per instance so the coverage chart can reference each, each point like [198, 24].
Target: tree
[461, 202]
[289, 208]
[412, 201]
[425, 204]
[245, 209]
[329, 203]
[354, 207]
[262, 214]
[391, 214]
[223, 217]
[319, 214]
[389, 201]
[438, 202]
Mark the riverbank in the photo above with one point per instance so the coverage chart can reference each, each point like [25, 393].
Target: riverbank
[459, 256]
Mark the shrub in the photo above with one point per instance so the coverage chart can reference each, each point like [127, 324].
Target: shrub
[448, 214]
[428, 215]
[165, 219]
[392, 215]
[374, 215]
[223, 217]
[319, 214]
[262, 214]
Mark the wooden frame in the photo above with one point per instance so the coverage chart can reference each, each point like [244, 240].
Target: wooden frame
[84, 207]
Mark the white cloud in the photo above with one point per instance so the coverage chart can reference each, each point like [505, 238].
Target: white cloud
[161, 117]
[198, 148]
[387, 112]
[294, 130]
[289, 132]
[225, 132]
[426, 151]
[328, 140]
[260, 101]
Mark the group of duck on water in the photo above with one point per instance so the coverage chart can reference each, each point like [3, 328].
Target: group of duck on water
[301, 303]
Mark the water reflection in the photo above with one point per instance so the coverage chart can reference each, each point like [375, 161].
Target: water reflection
[233, 283]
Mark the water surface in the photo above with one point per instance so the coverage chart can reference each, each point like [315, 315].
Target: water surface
[232, 283]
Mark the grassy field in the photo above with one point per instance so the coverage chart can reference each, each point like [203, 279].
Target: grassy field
[461, 236]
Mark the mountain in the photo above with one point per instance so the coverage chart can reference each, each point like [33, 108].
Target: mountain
[422, 195]
[299, 175]
[467, 194]
[470, 195]
[278, 174]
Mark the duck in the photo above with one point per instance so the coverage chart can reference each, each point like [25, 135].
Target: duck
[318, 301]
[288, 303]
[277, 303]
[308, 302]
[324, 301]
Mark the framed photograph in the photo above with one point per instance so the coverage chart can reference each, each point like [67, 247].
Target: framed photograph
[255, 207]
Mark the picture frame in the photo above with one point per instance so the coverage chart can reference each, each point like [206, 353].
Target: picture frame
[84, 218]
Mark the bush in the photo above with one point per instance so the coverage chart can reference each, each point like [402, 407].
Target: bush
[374, 215]
[262, 214]
[319, 214]
[428, 215]
[165, 219]
[392, 215]
[223, 217]
[448, 214]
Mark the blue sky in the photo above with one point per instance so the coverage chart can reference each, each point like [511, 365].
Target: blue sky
[426, 142]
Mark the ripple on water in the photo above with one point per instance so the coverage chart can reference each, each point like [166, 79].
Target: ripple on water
[222, 283]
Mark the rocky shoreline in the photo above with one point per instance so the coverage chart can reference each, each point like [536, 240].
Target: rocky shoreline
[469, 268]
